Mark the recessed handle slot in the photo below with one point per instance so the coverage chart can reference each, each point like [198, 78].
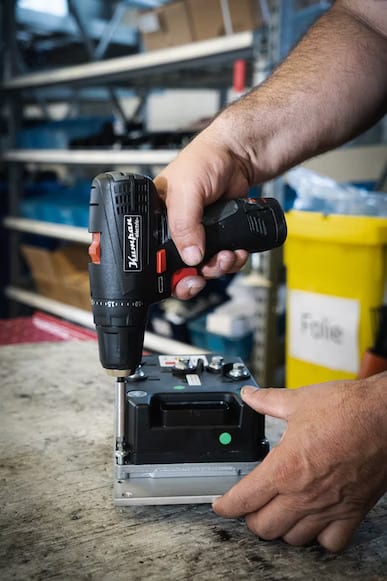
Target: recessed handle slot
[195, 410]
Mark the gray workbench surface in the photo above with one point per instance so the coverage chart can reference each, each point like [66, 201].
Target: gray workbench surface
[57, 520]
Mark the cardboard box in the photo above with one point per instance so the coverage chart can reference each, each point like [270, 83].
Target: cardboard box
[62, 274]
[186, 21]
[207, 18]
[166, 26]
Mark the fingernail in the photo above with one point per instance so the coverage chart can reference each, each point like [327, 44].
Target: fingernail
[192, 255]
[223, 266]
[215, 502]
[248, 390]
[193, 285]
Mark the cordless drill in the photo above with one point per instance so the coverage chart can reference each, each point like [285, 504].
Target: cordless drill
[134, 261]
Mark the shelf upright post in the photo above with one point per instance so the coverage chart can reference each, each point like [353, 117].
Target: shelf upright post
[267, 349]
[92, 54]
[274, 42]
[12, 104]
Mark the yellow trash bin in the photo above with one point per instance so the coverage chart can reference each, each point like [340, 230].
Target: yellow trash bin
[336, 276]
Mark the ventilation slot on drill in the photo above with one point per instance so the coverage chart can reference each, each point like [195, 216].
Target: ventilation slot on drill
[131, 198]
[141, 189]
[257, 225]
[124, 204]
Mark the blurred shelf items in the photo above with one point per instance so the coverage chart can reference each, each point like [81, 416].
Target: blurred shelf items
[93, 85]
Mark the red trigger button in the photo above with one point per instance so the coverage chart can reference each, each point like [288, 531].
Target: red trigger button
[182, 273]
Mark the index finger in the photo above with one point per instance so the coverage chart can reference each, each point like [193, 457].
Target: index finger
[250, 494]
[185, 209]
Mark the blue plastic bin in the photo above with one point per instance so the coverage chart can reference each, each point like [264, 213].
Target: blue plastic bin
[67, 205]
[236, 347]
[58, 134]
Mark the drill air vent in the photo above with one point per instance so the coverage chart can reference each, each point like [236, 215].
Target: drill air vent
[131, 203]
[256, 225]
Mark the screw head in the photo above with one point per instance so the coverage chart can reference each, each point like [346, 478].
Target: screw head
[217, 361]
[238, 370]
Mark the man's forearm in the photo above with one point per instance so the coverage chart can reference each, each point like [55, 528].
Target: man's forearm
[330, 88]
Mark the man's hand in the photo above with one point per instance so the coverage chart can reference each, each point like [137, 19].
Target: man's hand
[328, 470]
[202, 173]
[305, 108]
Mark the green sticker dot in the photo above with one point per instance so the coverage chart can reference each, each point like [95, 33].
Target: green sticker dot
[179, 387]
[225, 438]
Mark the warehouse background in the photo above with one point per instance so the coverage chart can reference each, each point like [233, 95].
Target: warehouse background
[92, 85]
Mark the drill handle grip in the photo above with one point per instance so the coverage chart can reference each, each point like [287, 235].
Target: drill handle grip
[252, 225]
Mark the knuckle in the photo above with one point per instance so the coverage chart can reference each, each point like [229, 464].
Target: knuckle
[265, 393]
[180, 227]
[240, 258]
[334, 539]
[295, 541]
[263, 530]
[333, 545]
[242, 502]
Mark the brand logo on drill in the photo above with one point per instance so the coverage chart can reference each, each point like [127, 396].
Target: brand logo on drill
[132, 243]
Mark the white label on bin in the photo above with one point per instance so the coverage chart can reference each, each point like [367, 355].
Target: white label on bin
[324, 330]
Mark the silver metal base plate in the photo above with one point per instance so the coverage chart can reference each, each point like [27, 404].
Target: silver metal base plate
[176, 483]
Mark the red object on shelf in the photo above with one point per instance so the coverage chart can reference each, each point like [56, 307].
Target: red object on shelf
[41, 327]
[239, 76]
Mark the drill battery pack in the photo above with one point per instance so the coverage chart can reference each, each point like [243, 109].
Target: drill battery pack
[189, 436]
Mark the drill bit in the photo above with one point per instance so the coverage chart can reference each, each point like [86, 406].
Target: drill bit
[120, 420]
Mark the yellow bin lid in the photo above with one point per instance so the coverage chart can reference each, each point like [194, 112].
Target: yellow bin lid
[364, 230]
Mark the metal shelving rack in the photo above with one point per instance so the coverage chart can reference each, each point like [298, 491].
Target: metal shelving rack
[163, 68]
[166, 67]
[151, 341]
[177, 66]
[52, 230]
[201, 64]
[99, 157]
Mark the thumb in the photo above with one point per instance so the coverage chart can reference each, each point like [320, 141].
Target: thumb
[277, 402]
[185, 211]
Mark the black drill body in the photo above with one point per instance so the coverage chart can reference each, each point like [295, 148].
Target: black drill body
[135, 262]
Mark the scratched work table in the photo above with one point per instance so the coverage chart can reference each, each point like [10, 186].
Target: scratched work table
[57, 520]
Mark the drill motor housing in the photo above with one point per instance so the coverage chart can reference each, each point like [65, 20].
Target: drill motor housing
[135, 263]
